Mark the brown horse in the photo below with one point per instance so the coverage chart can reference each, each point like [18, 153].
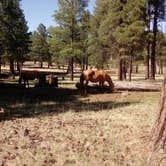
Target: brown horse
[28, 75]
[95, 76]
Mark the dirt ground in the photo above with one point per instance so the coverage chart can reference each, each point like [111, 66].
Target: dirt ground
[58, 126]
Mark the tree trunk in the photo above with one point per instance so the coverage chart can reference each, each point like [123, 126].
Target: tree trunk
[130, 86]
[158, 137]
[124, 70]
[147, 61]
[49, 63]
[160, 67]
[18, 66]
[83, 64]
[11, 61]
[153, 48]
[72, 68]
[41, 64]
[68, 67]
[136, 69]
[86, 63]
[120, 63]
[130, 66]
[137, 86]
[0, 65]
[147, 58]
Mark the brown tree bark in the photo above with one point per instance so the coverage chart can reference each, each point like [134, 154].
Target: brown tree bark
[0, 65]
[136, 68]
[72, 68]
[41, 64]
[130, 65]
[147, 62]
[86, 66]
[160, 65]
[158, 136]
[137, 86]
[11, 61]
[124, 70]
[120, 66]
[147, 57]
[153, 48]
[83, 64]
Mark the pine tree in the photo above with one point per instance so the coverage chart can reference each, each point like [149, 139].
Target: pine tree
[84, 37]
[1, 34]
[56, 44]
[160, 51]
[118, 30]
[14, 34]
[68, 17]
[40, 47]
[131, 34]
[108, 19]
[148, 36]
[157, 13]
[98, 43]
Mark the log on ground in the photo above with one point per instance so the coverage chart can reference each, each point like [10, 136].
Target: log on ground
[127, 86]
[137, 86]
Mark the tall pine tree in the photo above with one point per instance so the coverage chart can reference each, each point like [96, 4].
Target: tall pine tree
[131, 34]
[68, 17]
[40, 47]
[98, 42]
[157, 14]
[107, 21]
[84, 38]
[14, 34]
[56, 44]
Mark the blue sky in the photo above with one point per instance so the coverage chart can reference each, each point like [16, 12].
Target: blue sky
[41, 11]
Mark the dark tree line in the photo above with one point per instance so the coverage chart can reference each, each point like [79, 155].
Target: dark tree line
[128, 31]
[122, 32]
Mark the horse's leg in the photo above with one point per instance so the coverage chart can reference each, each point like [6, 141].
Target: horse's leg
[111, 84]
[85, 88]
[82, 84]
[102, 86]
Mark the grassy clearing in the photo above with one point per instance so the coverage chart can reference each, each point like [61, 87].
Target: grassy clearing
[101, 129]
[52, 126]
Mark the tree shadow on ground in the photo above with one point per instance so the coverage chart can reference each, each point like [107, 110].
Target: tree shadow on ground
[31, 102]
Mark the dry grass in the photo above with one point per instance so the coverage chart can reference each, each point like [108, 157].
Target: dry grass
[50, 126]
[101, 129]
